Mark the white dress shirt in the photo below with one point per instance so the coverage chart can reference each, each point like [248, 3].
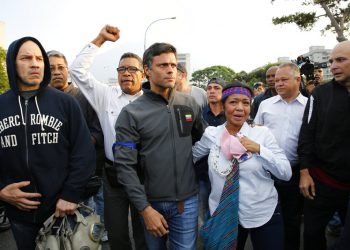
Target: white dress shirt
[284, 120]
[257, 194]
[107, 101]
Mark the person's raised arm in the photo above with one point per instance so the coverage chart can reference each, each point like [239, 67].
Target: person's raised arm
[94, 91]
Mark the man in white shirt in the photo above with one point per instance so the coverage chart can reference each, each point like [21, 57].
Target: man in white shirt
[283, 114]
[108, 102]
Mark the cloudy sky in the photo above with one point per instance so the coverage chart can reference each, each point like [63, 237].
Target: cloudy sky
[237, 34]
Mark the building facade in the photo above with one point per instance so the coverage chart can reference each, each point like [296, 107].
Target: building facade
[186, 59]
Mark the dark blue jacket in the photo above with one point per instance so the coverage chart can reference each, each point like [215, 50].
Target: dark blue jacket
[44, 140]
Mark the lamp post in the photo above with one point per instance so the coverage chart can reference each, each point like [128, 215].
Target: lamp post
[161, 19]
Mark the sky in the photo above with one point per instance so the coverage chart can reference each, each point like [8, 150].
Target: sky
[236, 34]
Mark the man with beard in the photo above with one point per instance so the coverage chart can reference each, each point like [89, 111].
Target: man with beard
[46, 152]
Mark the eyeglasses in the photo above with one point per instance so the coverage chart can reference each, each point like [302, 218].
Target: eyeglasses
[130, 69]
[59, 68]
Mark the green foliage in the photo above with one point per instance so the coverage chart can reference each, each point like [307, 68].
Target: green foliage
[305, 21]
[200, 78]
[242, 76]
[259, 75]
[3, 75]
[336, 11]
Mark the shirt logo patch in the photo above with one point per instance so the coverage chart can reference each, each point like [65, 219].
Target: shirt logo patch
[188, 117]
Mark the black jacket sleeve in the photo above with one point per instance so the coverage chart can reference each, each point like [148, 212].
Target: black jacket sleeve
[91, 118]
[82, 156]
[306, 144]
[94, 125]
[199, 123]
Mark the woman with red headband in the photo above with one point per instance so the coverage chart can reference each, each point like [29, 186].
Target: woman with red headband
[242, 159]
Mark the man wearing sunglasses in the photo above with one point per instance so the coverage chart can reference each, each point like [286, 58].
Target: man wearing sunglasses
[108, 102]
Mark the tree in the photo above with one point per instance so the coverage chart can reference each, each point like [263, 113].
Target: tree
[3, 75]
[242, 76]
[200, 78]
[259, 75]
[337, 11]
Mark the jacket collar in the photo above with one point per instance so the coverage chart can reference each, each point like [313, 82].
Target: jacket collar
[157, 97]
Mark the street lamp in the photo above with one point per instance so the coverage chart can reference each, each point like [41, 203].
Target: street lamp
[144, 43]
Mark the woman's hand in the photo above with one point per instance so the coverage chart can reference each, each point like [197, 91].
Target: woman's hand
[250, 145]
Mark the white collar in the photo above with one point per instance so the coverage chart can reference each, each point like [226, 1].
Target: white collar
[300, 98]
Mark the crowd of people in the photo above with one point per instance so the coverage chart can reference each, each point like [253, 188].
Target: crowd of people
[191, 168]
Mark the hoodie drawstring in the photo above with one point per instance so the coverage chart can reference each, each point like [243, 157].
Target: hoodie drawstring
[37, 107]
[41, 119]
[20, 107]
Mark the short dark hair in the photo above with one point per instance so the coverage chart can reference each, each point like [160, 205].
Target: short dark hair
[56, 53]
[257, 85]
[155, 50]
[132, 55]
[181, 67]
[236, 83]
[217, 80]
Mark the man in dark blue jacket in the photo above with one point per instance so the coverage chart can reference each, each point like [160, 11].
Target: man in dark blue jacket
[46, 153]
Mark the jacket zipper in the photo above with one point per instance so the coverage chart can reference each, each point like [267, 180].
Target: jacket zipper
[174, 150]
[27, 152]
[180, 121]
